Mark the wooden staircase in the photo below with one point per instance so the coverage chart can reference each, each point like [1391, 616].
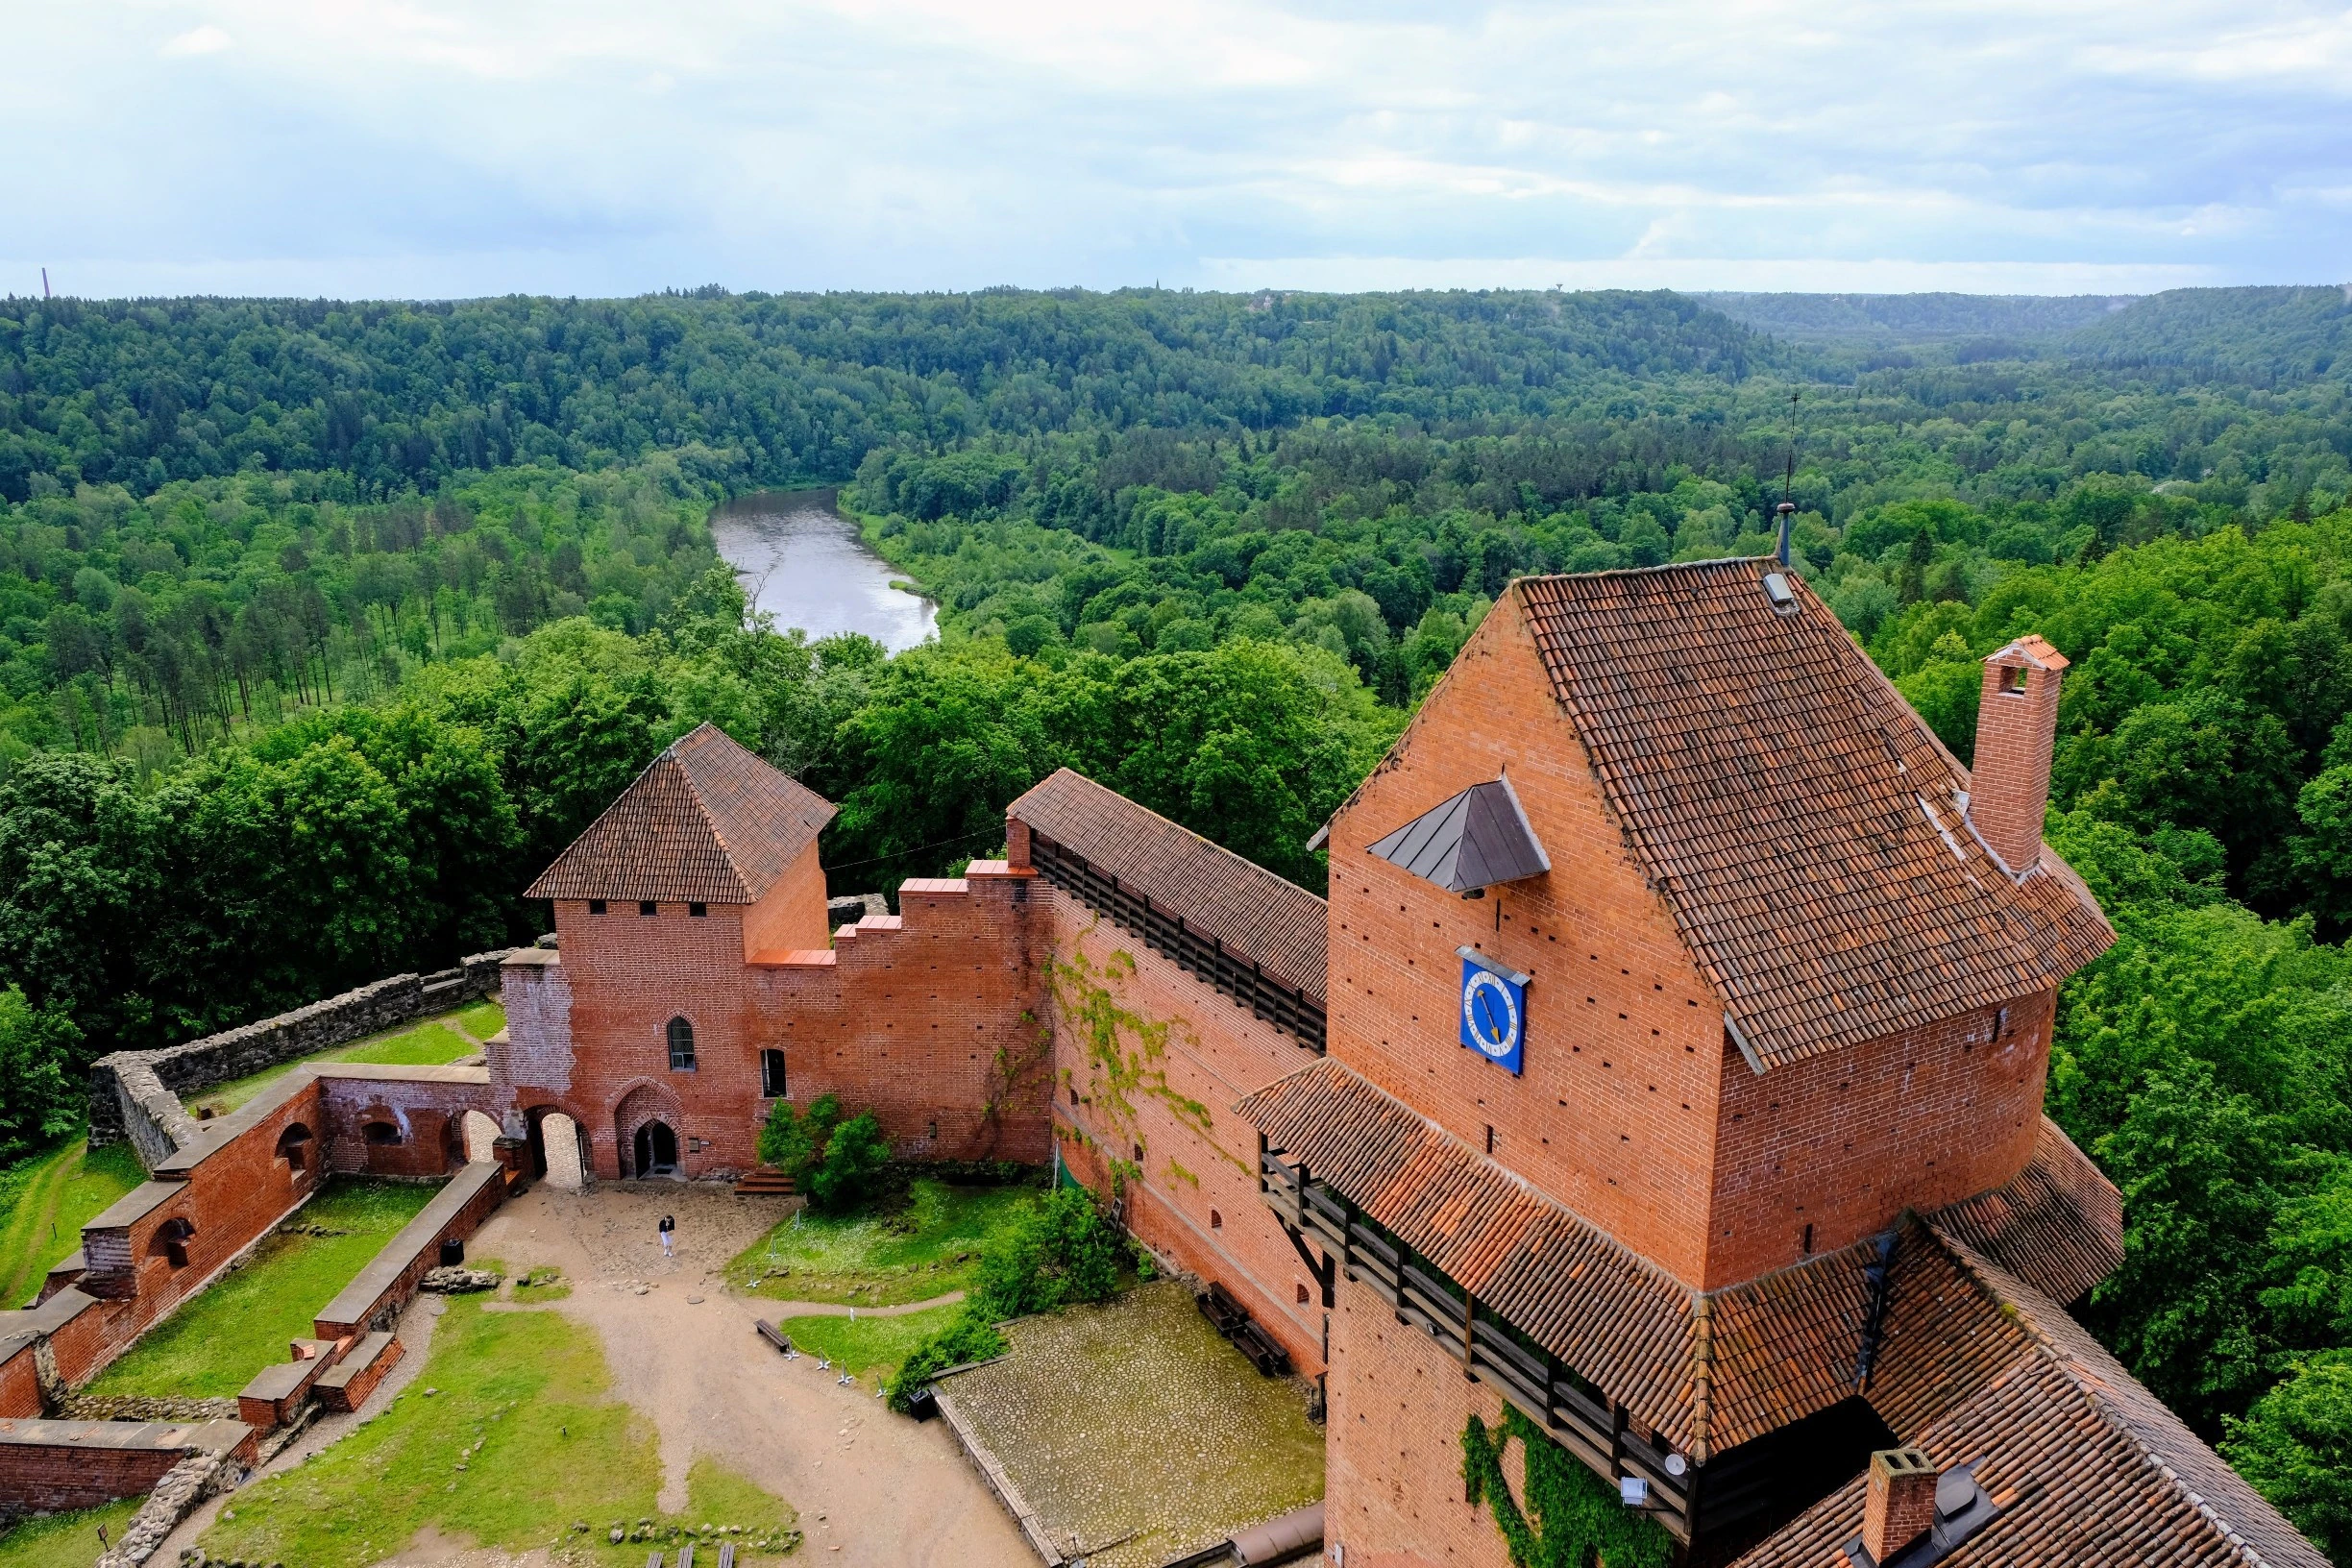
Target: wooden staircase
[765, 1183]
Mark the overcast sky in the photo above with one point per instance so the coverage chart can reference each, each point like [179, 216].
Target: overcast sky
[433, 148]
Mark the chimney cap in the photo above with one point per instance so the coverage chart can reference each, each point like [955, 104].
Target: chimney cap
[2034, 650]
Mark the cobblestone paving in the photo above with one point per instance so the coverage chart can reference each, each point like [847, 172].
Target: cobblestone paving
[1133, 1428]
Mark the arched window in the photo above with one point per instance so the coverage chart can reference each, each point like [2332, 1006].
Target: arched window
[381, 1133]
[294, 1146]
[771, 1074]
[681, 1045]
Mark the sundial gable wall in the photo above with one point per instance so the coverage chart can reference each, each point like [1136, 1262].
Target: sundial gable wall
[1616, 1112]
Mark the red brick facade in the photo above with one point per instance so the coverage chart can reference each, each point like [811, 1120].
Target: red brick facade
[1192, 1189]
[20, 1393]
[929, 1018]
[1393, 1494]
[1635, 1109]
[51, 1477]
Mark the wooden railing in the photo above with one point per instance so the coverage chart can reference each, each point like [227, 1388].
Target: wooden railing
[1204, 956]
[1684, 1497]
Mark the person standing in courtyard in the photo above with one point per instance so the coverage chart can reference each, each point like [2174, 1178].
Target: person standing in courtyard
[669, 1236]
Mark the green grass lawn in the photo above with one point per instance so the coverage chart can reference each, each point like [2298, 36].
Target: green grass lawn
[46, 1200]
[242, 1322]
[870, 1258]
[63, 1538]
[483, 1020]
[522, 1442]
[867, 1347]
[430, 1043]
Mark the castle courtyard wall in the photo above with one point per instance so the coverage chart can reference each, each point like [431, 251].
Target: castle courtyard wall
[931, 1018]
[1396, 1405]
[1191, 1162]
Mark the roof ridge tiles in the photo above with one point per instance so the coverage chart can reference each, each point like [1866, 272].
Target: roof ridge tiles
[2105, 1396]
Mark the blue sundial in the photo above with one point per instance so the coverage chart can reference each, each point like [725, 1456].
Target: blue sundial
[1494, 1013]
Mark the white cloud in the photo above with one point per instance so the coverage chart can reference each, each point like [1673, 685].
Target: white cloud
[465, 146]
[206, 39]
[1763, 276]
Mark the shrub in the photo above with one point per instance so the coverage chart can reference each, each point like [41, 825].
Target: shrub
[1062, 1251]
[854, 1159]
[970, 1338]
[838, 1163]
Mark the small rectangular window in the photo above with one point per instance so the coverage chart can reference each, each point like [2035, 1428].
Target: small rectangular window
[2015, 680]
[697, 911]
[771, 1074]
[647, 906]
[596, 906]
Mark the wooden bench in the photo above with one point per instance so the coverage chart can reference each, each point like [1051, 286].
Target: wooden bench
[1264, 1354]
[1224, 1314]
[772, 1335]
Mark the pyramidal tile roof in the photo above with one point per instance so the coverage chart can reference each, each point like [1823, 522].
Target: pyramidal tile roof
[1472, 840]
[706, 822]
[1807, 829]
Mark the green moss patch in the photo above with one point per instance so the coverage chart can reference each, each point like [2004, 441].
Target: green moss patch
[520, 1444]
[46, 1200]
[881, 1257]
[1132, 1427]
[244, 1320]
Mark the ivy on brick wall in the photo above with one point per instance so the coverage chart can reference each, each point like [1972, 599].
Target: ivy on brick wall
[1125, 1051]
[1572, 1518]
[1015, 1073]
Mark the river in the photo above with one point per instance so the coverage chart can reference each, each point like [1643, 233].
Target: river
[803, 563]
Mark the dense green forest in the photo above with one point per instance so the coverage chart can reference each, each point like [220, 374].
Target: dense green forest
[322, 626]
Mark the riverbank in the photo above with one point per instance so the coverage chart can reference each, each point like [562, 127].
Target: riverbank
[812, 566]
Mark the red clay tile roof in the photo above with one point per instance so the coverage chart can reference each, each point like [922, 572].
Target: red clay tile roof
[1776, 1348]
[1802, 822]
[1274, 923]
[2091, 1469]
[2058, 1224]
[705, 822]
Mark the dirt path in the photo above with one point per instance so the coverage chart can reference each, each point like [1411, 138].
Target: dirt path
[872, 1487]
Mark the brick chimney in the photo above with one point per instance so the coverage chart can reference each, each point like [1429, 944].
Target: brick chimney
[1900, 1503]
[2017, 726]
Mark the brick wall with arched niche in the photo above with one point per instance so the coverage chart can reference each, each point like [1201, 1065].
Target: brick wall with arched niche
[640, 1122]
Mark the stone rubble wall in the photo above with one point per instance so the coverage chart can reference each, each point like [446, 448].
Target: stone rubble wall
[144, 1407]
[135, 1095]
[184, 1486]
